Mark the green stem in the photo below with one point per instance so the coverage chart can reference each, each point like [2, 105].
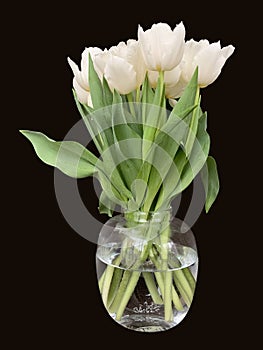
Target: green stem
[176, 300]
[129, 279]
[126, 297]
[107, 278]
[117, 276]
[182, 283]
[131, 103]
[122, 288]
[107, 283]
[168, 310]
[159, 278]
[138, 94]
[164, 237]
[192, 127]
[127, 286]
[151, 285]
[175, 297]
[183, 286]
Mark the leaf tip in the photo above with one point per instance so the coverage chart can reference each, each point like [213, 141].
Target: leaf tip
[207, 208]
[25, 133]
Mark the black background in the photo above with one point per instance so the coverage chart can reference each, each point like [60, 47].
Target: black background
[50, 288]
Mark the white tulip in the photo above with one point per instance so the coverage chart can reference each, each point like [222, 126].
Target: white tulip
[131, 53]
[81, 77]
[162, 48]
[210, 58]
[122, 66]
[120, 75]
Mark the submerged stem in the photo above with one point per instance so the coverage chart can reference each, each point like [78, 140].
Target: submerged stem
[183, 286]
[151, 285]
[117, 276]
[135, 275]
[106, 279]
[122, 288]
[168, 310]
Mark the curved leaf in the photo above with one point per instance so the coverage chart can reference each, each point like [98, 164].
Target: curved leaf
[210, 180]
[70, 157]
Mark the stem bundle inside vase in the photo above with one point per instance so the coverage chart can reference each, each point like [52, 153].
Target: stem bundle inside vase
[149, 253]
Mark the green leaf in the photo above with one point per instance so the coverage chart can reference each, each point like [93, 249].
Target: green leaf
[161, 155]
[192, 130]
[112, 184]
[108, 96]
[155, 115]
[96, 89]
[68, 156]
[85, 112]
[159, 95]
[147, 99]
[139, 190]
[210, 180]
[171, 180]
[197, 157]
[106, 205]
[188, 97]
[147, 91]
[126, 150]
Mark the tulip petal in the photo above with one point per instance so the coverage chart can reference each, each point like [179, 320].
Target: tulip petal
[210, 62]
[147, 50]
[82, 94]
[228, 51]
[209, 58]
[77, 74]
[85, 66]
[176, 90]
[162, 48]
[192, 48]
[91, 51]
[173, 49]
[120, 75]
[135, 58]
[99, 60]
[172, 77]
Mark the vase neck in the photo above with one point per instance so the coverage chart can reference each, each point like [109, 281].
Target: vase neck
[141, 217]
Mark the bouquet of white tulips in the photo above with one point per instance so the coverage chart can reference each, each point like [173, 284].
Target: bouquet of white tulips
[140, 101]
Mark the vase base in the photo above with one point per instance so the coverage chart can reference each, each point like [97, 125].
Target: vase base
[147, 324]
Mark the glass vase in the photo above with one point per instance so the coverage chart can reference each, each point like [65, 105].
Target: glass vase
[147, 268]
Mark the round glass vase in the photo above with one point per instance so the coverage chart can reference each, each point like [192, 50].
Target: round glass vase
[147, 268]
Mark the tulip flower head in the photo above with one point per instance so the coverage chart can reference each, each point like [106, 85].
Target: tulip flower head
[162, 48]
[210, 58]
[124, 67]
[158, 49]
